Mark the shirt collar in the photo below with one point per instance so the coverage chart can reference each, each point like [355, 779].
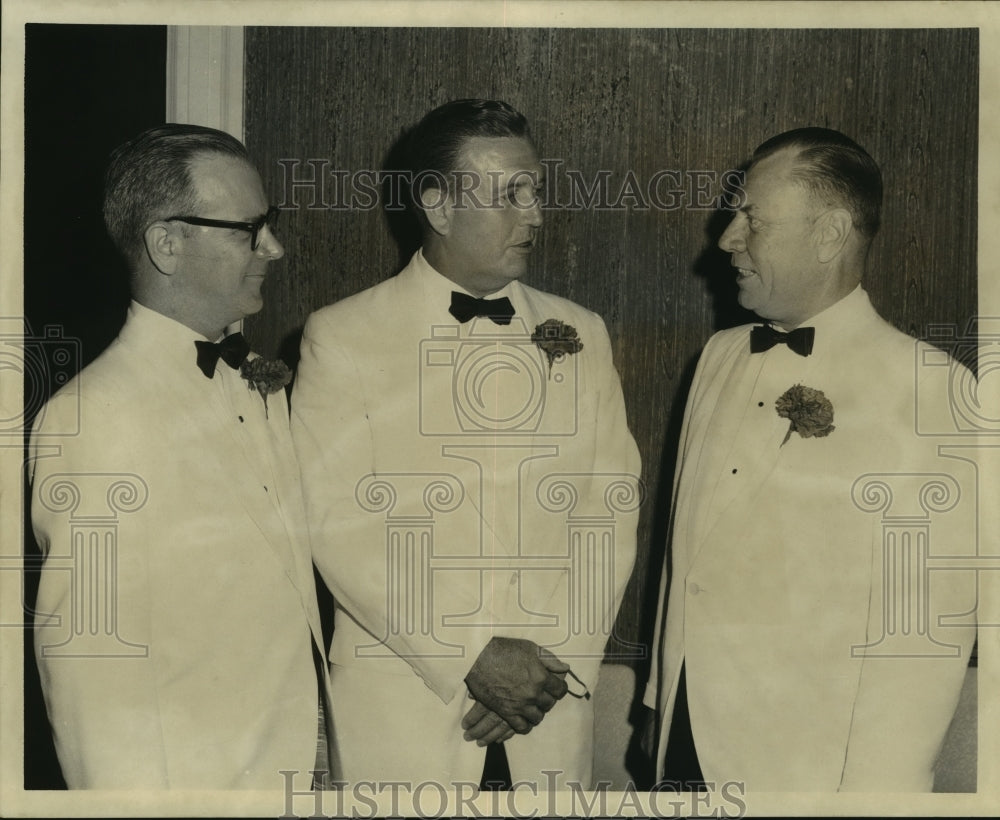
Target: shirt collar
[832, 321]
[171, 340]
[438, 287]
[838, 312]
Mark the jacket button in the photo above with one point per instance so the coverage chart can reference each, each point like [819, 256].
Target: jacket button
[693, 588]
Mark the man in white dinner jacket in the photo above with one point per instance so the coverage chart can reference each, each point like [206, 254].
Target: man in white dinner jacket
[472, 492]
[818, 652]
[178, 636]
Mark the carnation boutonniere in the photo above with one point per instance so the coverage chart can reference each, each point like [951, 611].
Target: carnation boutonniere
[808, 410]
[556, 339]
[266, 376]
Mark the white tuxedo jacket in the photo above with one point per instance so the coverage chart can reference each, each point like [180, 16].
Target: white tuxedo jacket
[177, 619]
[789, 559]
[457, 488]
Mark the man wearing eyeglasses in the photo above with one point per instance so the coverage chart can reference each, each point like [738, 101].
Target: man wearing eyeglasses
[177, 633]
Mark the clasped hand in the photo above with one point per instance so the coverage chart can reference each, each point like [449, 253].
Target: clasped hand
[515, 682]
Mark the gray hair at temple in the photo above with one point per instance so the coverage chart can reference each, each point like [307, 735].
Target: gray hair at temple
[149, 178]
[836, 169]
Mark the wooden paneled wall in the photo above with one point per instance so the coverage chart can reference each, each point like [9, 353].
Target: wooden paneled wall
[617, 103]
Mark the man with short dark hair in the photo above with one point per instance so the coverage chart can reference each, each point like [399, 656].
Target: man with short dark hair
[471, 483]
[178, 633]
[805, 647]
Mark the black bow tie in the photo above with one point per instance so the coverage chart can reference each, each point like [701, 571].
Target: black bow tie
[233, 350]
[464, 307]
[800, 340]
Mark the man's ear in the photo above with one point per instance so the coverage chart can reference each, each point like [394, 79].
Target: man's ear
[833, 228]
[162, 246]
[438, 208]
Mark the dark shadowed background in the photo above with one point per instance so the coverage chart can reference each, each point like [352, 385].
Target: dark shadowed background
[610, 104]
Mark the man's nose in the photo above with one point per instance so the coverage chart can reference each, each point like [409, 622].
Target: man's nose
[533, 214]
[732, 239]
[269, 245]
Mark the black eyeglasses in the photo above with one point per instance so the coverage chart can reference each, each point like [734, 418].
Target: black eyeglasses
[253, 228]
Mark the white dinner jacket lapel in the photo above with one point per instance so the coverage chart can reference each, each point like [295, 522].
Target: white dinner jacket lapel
[233, 474]
[421, 306]
[724, 502]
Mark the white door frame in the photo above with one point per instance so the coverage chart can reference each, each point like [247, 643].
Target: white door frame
[205, 77]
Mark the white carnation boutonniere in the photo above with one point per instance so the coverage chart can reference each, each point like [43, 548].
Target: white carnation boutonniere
[809, 411]
[556, 339]
[266, 376]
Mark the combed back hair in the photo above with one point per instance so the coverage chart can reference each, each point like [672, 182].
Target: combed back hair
[433, 145]
[835, 168]
[149, 178]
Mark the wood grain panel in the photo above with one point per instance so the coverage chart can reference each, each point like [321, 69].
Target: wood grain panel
[613, 101]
